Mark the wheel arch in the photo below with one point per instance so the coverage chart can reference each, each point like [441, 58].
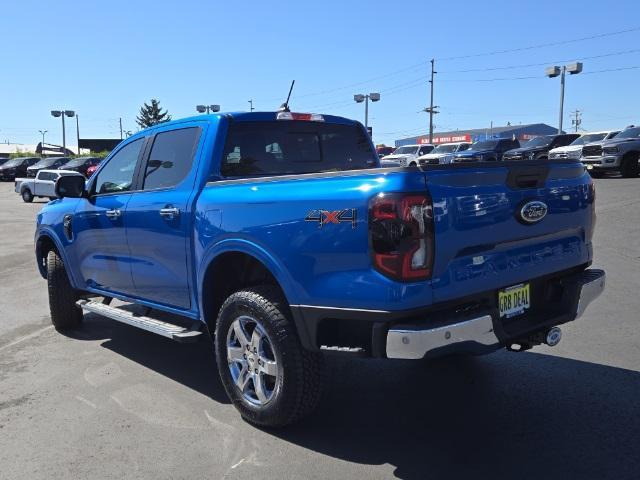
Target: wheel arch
[45, 242]
[232, 265]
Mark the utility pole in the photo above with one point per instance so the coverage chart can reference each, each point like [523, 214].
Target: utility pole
[577, 121]
[431, 109]
[251, 105]
[120, 128]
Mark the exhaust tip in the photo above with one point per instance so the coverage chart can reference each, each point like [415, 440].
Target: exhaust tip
[554, 335]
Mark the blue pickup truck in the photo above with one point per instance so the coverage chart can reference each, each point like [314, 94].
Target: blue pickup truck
[279, 236]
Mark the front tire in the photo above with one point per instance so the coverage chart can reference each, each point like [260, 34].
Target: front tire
[26, 196]
[630, 167]
[65, 314]
[267, 374]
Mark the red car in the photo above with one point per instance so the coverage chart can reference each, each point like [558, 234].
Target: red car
[384, 150]
[91, 169]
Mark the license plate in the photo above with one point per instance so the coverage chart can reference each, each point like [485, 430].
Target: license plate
[514, 300]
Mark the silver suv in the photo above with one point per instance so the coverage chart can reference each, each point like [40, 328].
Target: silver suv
[620, 153]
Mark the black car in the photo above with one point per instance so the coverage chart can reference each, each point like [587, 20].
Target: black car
[538, 148]
[490, 150]
[80, 164]
[50, 163]
[16, 167]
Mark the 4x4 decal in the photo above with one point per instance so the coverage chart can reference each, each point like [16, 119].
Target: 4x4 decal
[324, 217]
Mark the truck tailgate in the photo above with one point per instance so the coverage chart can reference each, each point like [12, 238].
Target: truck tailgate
[482, 241]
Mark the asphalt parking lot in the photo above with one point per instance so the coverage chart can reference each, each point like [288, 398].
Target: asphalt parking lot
[111, 401]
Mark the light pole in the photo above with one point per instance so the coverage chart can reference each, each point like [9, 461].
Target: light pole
[208, 108]
[551, 72]
[63, 113]
[78, 131]
[251, 109]
[359, 98]
[42, 132]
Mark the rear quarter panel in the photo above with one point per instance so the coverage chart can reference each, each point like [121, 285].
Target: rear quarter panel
[316, 264]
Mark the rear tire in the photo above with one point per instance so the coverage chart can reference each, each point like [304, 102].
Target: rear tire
[287, 383]
[65, 314]
[26, 196]
[630, 167]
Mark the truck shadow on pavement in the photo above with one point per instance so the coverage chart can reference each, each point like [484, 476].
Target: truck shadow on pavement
[506, 415]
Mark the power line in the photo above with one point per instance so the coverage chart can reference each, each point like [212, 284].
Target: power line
[530, 77]
[542, 45]
[509, 67]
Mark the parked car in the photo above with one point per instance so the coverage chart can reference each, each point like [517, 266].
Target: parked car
[538, 148]
[41, 186]
[619, 154]
[4, 160]
[16, 167]
[486, 150]
[574, 149]
[81, 164]
[50, 163]
[92, 169]
[443, 153]
[332, 254]
[383, 151]
[406, 156]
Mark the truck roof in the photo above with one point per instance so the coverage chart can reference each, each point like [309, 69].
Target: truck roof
[246, 117]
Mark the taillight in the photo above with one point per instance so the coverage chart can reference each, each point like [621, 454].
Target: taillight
[401, 235]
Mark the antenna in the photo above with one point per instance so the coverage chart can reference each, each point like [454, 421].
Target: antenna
[285, 106]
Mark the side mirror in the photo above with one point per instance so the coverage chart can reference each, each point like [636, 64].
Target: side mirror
[72, 186]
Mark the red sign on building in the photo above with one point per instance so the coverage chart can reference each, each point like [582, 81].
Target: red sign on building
[437, 139]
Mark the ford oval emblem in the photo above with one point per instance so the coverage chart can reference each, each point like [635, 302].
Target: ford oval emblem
[533, 211]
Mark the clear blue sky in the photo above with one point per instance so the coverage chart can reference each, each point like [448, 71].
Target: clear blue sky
[104, 59]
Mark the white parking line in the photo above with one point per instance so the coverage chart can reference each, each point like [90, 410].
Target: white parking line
[26, 337]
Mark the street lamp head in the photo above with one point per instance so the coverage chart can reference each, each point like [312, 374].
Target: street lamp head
[215, 108]
[69, 113]
[201, 108]
[56, 113]
[359, 98]
[574, 68]
[374, 97]
[552, 71]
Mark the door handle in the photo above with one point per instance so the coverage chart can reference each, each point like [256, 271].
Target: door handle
[113, 214]
[170, 212]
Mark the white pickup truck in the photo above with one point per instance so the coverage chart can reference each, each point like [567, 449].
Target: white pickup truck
[44, 185]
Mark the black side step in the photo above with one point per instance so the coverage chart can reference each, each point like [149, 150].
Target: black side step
[169, 330]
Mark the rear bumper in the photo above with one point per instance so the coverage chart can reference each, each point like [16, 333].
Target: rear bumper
[483, 333]
[470, 324]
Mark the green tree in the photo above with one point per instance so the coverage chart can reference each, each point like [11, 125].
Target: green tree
[152, 114]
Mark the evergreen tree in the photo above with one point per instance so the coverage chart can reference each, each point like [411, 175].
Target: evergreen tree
[152, 114]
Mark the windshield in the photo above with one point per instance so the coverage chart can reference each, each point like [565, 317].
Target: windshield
[13, 163]
[44, 163]
[588, 138]
[629, 133]
[538, 142]
[295, 147]
[406, 150]
[444, 149]
[484, 145]
[76, 162]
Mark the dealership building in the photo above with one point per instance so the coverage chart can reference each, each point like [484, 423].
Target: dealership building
[521, 132]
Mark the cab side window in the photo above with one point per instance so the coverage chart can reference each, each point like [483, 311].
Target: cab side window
[171, 158]
[117, 174]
